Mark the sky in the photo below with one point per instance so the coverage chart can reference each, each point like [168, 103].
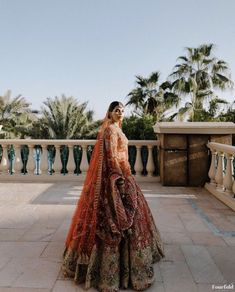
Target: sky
[93, 49]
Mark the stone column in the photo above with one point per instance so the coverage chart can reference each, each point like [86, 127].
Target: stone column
[84, 162]
[150, 165]
[212, 170]
[228, 178]
[138, 161]
[18, 162]
[5, 161]
[219, 171]
[31, 164]
[71, 165]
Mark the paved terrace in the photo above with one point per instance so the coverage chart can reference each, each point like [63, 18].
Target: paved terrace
[197, 229]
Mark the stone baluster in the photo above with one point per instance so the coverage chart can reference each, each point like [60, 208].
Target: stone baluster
[228, 178]
[5, 161]
[219, 170]
[17, 161]
[50, 160]
[212, 171]
[36, 160]
[57, 163]
[233, 189]
[138, 162]
[150, 164]
[43, 161]
[31, 163]
[71, 165]
[84, 162]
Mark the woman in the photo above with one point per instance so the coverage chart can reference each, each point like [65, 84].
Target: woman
[112, 241]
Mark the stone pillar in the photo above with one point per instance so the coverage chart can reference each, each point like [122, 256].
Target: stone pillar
[228, 178]
[84, 162]
[71, 165]
[219, 170]
[138, 161]
[31, 164]
[150, 165]
[196, 157]
[5, 161]
[57, 163]
[212, 170]
[18, 162]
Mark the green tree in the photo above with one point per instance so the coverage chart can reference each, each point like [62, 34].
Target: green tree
[151, 98]
[139, 128]
[213, 112]
[228, 115]
[66, 118]
[15, 115]
[198, 75]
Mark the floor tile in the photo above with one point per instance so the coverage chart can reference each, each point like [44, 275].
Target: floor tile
[201, 264]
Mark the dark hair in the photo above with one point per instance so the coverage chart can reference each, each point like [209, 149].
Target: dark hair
[114, 104]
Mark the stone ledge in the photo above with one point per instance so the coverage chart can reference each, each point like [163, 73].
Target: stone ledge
[194, 128]
[226, 198]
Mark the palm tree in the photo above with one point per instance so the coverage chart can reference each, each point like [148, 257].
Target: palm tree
[216, 106]
[198, 75]
[15, 115]
[151, 98]
[229, 114]
[65, 118]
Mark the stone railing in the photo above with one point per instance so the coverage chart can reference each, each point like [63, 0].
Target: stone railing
[221, 173]
[44, 159]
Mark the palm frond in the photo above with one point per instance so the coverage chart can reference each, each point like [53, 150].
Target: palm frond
[154, 77]
[183, 58]
[166, 85]
[206, 49]
[141, 81]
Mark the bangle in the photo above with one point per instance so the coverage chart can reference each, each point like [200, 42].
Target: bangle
[120, 182]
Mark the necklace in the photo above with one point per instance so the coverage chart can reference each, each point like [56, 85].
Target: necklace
[115, 125]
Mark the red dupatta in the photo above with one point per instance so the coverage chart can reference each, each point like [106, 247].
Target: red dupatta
[81, 235]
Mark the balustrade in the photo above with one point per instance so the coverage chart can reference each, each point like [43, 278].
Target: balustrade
[61, 158]
[221, 173]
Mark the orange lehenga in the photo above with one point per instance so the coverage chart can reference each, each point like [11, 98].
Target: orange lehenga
[112, 241]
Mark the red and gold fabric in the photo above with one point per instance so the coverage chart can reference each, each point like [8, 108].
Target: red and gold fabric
[113, 240]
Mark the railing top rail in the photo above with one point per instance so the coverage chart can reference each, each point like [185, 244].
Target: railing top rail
[144, 142]
[221, 147]
[67, 142]
[46, 142]
[194, 127]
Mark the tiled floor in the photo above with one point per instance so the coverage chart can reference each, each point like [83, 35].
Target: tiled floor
[198, 232]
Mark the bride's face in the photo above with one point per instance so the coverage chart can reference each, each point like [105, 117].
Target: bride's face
[117, 114]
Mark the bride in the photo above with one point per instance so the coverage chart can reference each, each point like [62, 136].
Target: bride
[112, 241]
